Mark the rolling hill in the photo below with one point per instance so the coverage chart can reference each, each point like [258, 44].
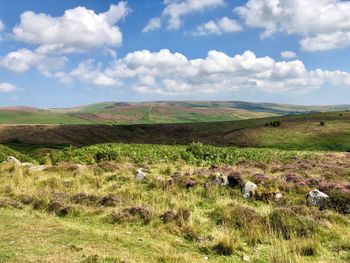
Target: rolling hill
[155, 112]
[297, 132]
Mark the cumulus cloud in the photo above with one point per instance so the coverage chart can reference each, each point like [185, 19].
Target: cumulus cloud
[153, 24]
[78, 30]
[86, 72]
[175, 10]
[288, 54]
[323, 24]
[223, 25]
[7, 87]
[170, 73]
[23, 59]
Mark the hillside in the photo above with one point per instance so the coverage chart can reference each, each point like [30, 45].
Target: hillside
[187, 206]
[298, 132]
[155, 112]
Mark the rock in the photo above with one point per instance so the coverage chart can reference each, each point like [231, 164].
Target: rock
[278, 196]
[317, 198]
[220, 180]
[249, 189]
[37, 168]
[140, 175]
[13, 160]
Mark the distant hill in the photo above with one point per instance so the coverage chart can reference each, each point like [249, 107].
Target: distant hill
[156, 112]
[297, 132]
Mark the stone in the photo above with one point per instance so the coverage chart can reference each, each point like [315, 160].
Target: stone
[220, 180]
[317, 198]
[249, 190]
[278, 196]
[13, 160]
[140, 175]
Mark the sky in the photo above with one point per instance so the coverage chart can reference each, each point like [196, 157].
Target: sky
[68, 53]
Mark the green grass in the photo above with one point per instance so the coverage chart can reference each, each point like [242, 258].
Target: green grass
[38, 117]
[222, 226]
[155, 112]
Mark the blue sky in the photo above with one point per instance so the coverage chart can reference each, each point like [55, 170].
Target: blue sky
[68, 53]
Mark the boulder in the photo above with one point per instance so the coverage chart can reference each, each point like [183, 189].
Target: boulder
[220, 180]
[317, 198]
[140, 175]
[249, 190]
[13, 160]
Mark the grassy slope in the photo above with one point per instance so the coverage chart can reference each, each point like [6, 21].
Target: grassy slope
[38, 117]
[299, 132]
[154, 112]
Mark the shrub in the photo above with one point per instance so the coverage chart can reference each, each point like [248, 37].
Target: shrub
[322, 123]
[57, 208]
[285, 222]
[135, 213]
[225, 246]
[339, 201]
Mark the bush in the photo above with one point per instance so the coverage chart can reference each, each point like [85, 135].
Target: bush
[339, 201]
[322, 123]
[285, 222]
[225, 246]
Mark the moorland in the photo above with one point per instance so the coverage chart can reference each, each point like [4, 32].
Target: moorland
[176, 192]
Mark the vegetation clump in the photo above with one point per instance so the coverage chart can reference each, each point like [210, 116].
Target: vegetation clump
[287, 223]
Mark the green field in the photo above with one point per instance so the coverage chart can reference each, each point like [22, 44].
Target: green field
[296, 132]
[155, 112]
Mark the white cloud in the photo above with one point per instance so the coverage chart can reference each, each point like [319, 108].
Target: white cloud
[7, 87]
[78, 30]
[170, 73]
[153, 24]
[87, 73]
[224, 25]
[323, 24]
[23, 59]
[175, 10]
[288, 54]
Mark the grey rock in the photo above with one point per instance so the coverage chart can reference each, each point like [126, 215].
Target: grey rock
[317, 198]
[140, 175]
[249, 189]
[220, 180]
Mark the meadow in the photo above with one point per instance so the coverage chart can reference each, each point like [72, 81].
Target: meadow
[87, 205]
